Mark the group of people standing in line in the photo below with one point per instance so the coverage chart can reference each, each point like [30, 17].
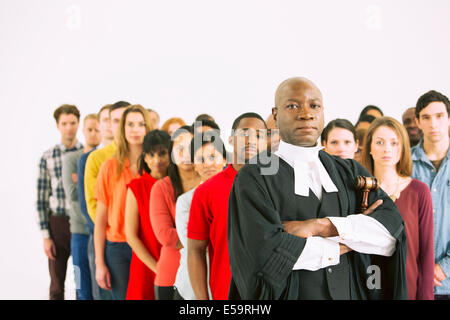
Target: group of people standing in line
[150, 213]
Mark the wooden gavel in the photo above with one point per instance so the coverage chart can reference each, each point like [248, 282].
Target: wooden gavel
[366, 184]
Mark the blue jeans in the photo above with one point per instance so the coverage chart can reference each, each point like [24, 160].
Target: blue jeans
[118, 260]
[78, 246]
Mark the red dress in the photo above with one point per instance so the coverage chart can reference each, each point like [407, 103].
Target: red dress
[141, 281]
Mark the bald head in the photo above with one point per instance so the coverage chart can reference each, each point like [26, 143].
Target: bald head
[409, 122]
[298, 111]
[295, 84]
[408, 112]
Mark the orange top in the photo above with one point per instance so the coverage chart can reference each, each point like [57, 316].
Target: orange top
[112, 192]
[162, 217]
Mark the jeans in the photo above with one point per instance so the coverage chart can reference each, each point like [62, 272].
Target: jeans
[97, 292]
[78, 246]
[118, 260]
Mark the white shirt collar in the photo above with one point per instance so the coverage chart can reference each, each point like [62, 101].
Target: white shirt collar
[292, 154]
[309, 172]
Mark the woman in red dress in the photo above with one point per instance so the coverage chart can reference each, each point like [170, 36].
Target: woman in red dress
[138, 229]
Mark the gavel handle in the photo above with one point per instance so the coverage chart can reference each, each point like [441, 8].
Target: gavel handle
[365, 203]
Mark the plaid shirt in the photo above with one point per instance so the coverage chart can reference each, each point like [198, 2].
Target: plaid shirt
[50, 192]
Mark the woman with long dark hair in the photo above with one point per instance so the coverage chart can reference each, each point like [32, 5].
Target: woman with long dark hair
[209, 156]
[181, 178]
[339, 139]
[138, 229]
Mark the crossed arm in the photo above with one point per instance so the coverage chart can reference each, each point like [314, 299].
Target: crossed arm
[321, 227]
[328, 238]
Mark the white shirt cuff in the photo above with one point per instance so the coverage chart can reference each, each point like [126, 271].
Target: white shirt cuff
[344, 227]
[318, 253]
[45, 234]
[363, 234]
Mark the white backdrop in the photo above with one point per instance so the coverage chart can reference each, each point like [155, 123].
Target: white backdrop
[183, 58]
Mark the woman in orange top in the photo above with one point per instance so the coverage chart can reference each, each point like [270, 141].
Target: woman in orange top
[112, 253]
[181, 178]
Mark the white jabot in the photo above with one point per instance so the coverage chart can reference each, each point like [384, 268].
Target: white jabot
[309, 172]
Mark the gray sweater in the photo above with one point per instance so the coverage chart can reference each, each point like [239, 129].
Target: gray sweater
[69, 167]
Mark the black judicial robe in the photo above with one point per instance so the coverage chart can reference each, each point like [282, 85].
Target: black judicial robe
[262, 254]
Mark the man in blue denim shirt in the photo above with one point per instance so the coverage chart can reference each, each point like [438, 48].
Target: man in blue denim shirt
[431, 165]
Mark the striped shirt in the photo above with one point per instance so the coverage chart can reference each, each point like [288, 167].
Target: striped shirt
[50, 192]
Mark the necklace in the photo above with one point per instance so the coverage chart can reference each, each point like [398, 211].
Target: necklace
[396, 194]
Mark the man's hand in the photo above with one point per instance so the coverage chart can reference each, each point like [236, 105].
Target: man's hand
[439, 275]
[372, 208]
[343, 249]
[310, 228]
[179, 245]
[302, 229]
[49, 248]
[102, 276]
[74, 178]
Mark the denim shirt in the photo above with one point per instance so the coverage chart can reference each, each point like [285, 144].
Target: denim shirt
[439, 184]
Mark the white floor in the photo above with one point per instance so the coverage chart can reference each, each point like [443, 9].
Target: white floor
[23, 265]
[70, 282]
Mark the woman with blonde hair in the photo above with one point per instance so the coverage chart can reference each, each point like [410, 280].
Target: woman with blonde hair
[386, 155]
[112, 253]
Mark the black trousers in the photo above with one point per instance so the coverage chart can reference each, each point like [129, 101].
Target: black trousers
[177, 295]
[164, 293]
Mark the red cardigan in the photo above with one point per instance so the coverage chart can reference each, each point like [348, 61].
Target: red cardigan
[416, 207]
[162, 217]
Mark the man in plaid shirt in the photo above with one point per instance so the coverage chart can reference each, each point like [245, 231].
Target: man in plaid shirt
[51, 201]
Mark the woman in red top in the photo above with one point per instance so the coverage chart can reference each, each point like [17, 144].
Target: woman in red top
[181, 178]
[138, 229]
[386, 154]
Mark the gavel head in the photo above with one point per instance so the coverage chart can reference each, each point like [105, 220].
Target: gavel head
[366, 183]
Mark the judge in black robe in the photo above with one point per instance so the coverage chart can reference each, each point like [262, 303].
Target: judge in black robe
[262, 254]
